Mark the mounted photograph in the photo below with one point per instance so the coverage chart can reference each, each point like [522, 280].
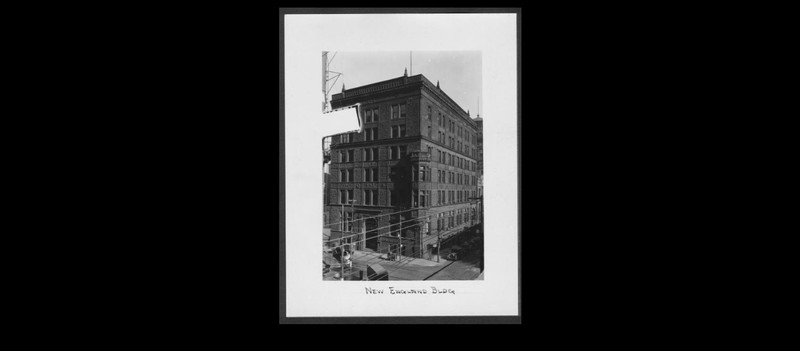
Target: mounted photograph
[403, 193]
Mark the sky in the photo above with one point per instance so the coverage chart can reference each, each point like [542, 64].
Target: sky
[458, 72]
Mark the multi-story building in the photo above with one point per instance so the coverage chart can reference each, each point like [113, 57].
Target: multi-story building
[416, 159]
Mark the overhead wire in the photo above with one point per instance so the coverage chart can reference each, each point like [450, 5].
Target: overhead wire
[388, 226]
[388, 214]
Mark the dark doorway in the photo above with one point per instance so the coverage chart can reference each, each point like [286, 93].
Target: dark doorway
[372, 234]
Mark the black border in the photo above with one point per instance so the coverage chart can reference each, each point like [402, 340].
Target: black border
[282, 209]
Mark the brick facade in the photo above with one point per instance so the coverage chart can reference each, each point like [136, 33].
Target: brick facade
[427, 159]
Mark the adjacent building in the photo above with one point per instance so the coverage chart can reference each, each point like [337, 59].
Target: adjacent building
[417, 159]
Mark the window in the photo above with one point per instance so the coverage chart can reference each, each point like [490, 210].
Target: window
[350, 176]
[375, 114]
[414, 177]
[429, 112]
[342, 176]
[350, 156]
[370, 174]
[392, 198]
[430, 151]
[414, 198]
[369, 197]
[368, 116]
[402, 151]
[371, 154]
[429, 132]
[391, 153]
[370, 134]
[424, 198]
[422, 177]
[399, 131]
[395, 111]
[402, 110]
[345, 196]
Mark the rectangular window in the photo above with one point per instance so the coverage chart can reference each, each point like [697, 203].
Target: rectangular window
[422, 177]
[369, 197]
[345, 138]
[342, 196]
[391, 153]
[351, 156]
[429, 132]
[368, 116]
[350, 196]
[375, 114]
[350, 176]
[429, 111]
[402, 110]
[402, 151]
[370, 133]
[399, 131]
[394, 110]
[392, 198]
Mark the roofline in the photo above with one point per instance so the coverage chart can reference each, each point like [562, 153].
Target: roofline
[406, 80]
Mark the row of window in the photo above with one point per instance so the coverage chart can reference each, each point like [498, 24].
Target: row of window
[449, 219]
[445, 197]
[455, 178]
[370, 134]
[453, 160]
[395, 111]
[419, 198]
[418, 174]
[371, 154]
[369, 197]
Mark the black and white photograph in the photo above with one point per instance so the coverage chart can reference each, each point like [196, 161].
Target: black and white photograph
[400, 161]
[403, 193]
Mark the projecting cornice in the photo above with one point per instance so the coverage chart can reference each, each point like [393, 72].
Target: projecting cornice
[399, 83]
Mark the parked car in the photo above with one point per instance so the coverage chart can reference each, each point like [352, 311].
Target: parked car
[454, 254]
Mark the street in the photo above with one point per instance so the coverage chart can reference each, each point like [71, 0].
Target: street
[467, 268]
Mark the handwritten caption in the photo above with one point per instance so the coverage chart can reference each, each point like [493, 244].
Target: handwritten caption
[396, 291]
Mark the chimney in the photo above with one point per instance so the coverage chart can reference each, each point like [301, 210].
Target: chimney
[437, 84]
[343, 87]
[405, 72]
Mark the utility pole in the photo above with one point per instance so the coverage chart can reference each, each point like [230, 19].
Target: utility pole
[400, 238]
[438, 243]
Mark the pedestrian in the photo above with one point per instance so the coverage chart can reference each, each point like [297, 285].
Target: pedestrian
[348, 259]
